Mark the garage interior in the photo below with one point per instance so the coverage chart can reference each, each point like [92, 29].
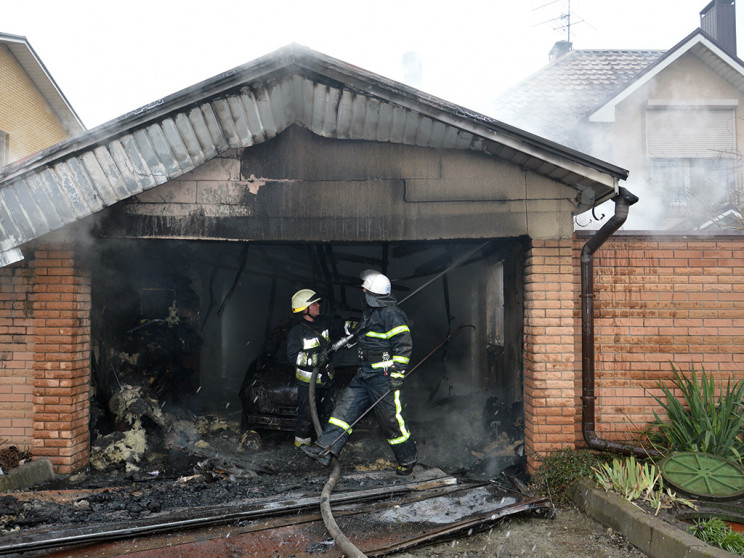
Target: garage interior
[198, 326]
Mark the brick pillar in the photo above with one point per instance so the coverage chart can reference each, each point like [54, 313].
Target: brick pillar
[16, 356]
[551, 295]
[61, 307]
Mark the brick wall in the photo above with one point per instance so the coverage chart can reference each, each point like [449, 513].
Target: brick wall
[659, 300]
[61, 380]
[16, 356]
[551, 293]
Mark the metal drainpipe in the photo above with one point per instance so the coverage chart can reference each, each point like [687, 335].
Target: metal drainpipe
[623, 201]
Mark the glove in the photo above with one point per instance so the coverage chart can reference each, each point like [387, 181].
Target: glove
[396, 376]
[328, 375]
[322, 358]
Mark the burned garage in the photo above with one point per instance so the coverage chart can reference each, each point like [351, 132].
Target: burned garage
[151, 261]
[201, 325]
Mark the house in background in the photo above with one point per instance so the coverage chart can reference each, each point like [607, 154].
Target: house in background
[671, 118]
[34, 112]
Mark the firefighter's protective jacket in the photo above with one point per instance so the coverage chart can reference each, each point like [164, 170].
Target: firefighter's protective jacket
[385, 336]
[306, 341]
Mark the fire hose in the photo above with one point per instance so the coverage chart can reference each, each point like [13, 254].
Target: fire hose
[325, 496]
[325, 506]
[346, 546]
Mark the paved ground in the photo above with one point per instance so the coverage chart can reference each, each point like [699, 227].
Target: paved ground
[570, 534]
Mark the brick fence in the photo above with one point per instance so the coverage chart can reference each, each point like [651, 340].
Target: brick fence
[658, 300]
[662, 300]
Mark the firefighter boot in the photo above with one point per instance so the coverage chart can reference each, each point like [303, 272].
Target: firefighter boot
[318, 453]
[405, 469]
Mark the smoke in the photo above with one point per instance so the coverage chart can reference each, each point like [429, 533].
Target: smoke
[680, 153]
[413, 72]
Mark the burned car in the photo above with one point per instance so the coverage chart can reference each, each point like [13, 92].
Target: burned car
[269, 390]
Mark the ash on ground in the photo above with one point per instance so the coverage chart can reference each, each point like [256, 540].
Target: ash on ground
[161, 461]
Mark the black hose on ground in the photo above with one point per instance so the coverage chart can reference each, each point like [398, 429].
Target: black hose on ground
[346, 546]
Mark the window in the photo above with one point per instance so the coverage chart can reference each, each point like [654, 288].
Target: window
[692, 154]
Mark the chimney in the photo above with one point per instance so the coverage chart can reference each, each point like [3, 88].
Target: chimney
[561, 48]
[718, 19]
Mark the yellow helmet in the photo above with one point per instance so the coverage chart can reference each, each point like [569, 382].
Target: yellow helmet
[302, 299]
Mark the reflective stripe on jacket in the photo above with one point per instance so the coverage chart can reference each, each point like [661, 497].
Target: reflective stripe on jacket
[387, 337]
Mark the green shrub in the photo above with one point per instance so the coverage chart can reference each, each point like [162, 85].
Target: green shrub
[703, 423]
[715, 531]
[562, 468]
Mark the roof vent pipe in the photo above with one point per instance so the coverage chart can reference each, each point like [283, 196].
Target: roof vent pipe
[560, 49]
[623, 201]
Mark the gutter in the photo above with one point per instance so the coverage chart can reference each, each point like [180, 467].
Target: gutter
[623, 201]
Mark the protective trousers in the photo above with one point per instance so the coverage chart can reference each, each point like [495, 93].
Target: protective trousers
[304, 429]
[365, 388]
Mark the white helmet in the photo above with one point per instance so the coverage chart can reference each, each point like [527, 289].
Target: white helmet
[375, 282]
[302, 299]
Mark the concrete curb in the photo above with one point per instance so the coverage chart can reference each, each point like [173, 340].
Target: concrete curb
[27, 475]
[649, 534]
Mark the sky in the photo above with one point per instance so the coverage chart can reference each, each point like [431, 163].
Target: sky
[110, 57]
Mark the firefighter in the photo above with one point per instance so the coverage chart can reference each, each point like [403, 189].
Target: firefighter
[307, 347]
[384, 350]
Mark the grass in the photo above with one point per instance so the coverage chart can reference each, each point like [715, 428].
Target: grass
[716, 532]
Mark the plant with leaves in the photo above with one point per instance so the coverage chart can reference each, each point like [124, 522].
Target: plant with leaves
[704, 423]
[636, 480]
[629, 478]
[717, 532]
[560, 469]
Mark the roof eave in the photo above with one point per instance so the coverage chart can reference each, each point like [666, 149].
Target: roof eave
[42, 79]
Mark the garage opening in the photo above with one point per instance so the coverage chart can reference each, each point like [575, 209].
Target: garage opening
[188, 341]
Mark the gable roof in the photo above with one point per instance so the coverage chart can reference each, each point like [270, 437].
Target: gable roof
[249, 105]
[552, 100]
[42, 79]
[698, 43]
[589, 84]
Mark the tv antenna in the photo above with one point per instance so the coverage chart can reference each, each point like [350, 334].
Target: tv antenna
[563, 21]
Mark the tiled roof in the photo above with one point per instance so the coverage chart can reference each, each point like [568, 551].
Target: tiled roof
[554, 99]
